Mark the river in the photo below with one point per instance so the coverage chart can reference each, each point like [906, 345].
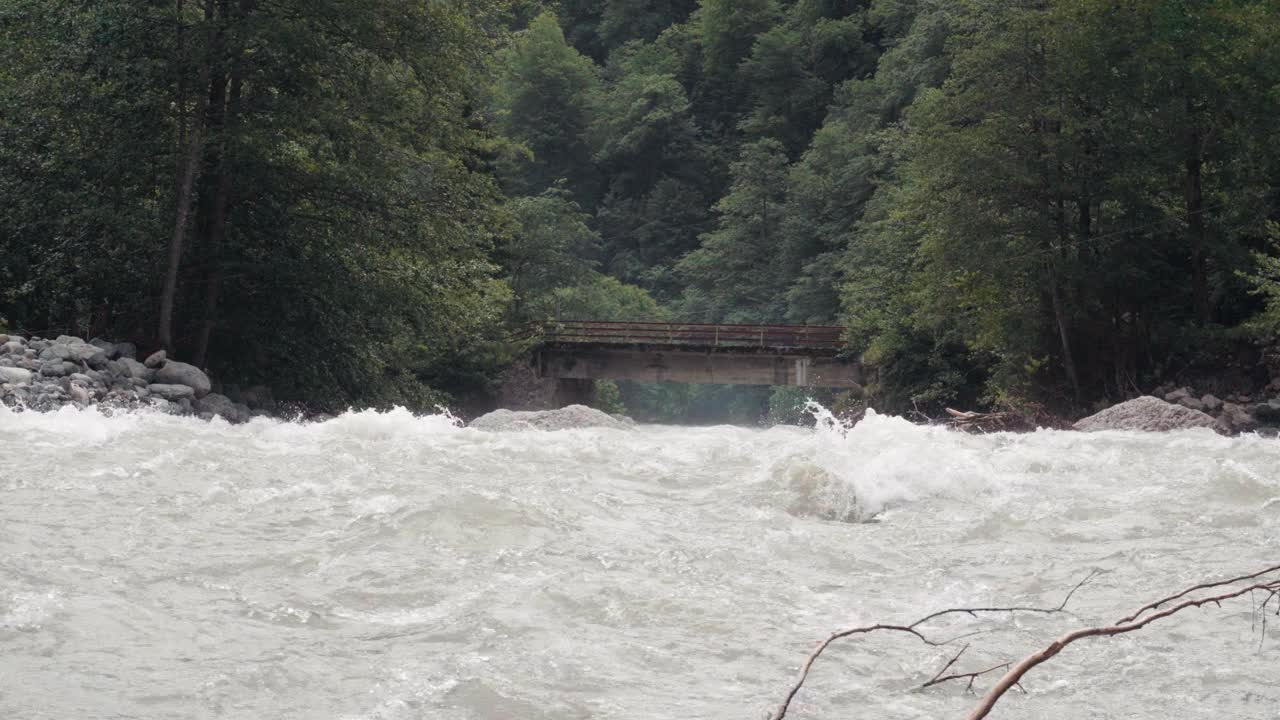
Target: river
[392, 567]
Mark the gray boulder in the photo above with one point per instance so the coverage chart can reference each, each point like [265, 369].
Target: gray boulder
[134, 369]
[79, 394]
[1147, 414]
[1193, 403]
[156, 359]
[1236, 419]
[1268, 411]
[178, 373]
[15, 376]
[53, 369]
[568, 418]
[172, 392]
[13, 347]
[1211, 403]
[1178, 395]
[58, 351]
[107, 347]
[69, 340]
[218, 405]
[4, 339]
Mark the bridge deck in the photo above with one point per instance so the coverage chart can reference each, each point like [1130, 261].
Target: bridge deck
[746, 339]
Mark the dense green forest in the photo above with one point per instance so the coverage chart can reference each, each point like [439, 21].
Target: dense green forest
[1058, 201]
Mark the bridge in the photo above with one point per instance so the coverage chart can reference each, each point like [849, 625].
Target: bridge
[575, 352]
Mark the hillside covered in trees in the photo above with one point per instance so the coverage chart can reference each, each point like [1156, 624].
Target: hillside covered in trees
[1002, 200]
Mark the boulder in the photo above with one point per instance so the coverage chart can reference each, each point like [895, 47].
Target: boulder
[79, 394]
[156, 359]
[172, 392]
[16, 376]
[219, 405]
[1236, 419]
[1193, 403]
[1211, 403]
[52, 368]
[1268, 411]
[58, 351]
[1147, 414]
[13, 347]
[568, 418]
[1178, 395]
[134, 369]
[106, 347]
[4, 339]
[69, 340]
[179, 373]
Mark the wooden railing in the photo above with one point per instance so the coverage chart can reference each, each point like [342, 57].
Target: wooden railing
[777, 337]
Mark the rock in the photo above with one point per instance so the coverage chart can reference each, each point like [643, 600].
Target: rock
[126, 350]
[106, 347]
[569, 418]
[1235, 419]
[15, 376]
[1178, 395]
[156, 359]
[69, 340]
[1193, 403]
[1148, 414]
[172, 392]
[135, 369]
[79, 394]
[13, 347]
[1267, 411]
[243, 413]
[219, 405]
[58, 352]
[81, 378]
[179, 373]
[4, 339]
[1211, 403]
[52, 368]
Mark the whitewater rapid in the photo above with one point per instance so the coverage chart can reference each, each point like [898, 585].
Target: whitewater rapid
[385, 566]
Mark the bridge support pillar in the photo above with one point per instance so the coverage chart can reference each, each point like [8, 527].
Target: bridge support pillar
[573, 391]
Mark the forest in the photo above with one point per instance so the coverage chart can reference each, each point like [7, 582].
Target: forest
[1060, 202]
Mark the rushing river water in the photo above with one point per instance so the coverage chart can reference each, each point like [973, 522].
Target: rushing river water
[392, 567]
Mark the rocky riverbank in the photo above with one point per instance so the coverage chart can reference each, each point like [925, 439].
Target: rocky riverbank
[43, 375]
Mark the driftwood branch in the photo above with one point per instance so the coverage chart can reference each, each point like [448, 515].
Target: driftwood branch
[1144, 616]
[912, 629]
[1265, 581]
[940, 678]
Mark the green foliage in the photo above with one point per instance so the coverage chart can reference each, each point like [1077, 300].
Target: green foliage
[339, 234]
[544, 100]
[606, 397]
[552, 245]
[733, 275]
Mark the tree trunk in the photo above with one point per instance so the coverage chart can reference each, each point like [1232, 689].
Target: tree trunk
[1195, 217]
[217, 233]
[1059, 307]
[186, 190]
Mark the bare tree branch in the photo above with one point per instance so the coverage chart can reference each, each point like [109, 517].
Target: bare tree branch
[1229, 589]
[1137, 621]
[911, 629]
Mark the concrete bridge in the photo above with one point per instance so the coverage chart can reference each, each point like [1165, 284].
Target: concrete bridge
[577, 352]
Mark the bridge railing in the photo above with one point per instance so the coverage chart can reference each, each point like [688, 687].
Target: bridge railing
[813, 337]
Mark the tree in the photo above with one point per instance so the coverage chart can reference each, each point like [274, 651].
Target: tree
[544, 100]
[732, 274]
